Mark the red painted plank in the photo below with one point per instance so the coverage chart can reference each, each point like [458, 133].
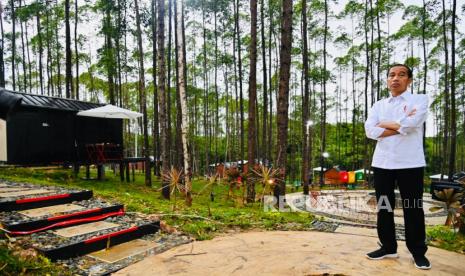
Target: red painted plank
[99, 238]
[43, 198]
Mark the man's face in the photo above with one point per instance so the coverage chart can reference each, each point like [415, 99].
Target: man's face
[398, 80]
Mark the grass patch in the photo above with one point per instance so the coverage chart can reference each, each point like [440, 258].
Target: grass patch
[446, 238]
[17, 261]
[203, 220]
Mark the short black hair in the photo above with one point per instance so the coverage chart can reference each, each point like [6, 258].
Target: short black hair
[409, 71]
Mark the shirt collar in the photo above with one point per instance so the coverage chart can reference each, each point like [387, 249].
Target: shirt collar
[404, 96]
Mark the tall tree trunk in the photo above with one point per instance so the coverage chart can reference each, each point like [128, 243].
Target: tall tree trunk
[178, 132]
[372, 55]
[49, 55]
[305, 126]
[228, 124]
[13, 44]
[367, 75]
[181, 61]
[156, 133]
[252, 100]
[423, 41]
[29, 69]
[205, 87]
[283, 94]
[2, 48]
[425, 60]
[58, 61]
[143, 98]
[378, 62]
[109, 52]
[162, 97]
[168, 82]
[236, 97]
[217, 96]
[76, 53]
[23, 48]
[270, 79]
[323, 113]
[69, 73]
[354, 105]
[119, 92]
[241, 97]
[445, 140]
[39, 36]
[453, 111]
[265, 82]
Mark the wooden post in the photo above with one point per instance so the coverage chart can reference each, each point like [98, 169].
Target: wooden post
[126, 165]
[121, 171]
[76, 169]
[100, 172]
[87, 172]
[133, 172]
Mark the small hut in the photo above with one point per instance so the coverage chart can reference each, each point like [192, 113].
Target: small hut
[41, 130]
[332, 176]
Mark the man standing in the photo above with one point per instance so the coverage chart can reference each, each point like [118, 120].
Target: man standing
[397, 124]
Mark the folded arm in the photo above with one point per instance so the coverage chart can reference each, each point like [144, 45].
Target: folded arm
[410, 121]
[372, 128]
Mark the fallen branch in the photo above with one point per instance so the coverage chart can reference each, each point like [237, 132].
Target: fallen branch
[190, 254]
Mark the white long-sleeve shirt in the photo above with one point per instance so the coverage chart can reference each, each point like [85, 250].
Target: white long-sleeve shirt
[404, 150]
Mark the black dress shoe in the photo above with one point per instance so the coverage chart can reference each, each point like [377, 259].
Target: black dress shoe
[421, 262]
[381, 254]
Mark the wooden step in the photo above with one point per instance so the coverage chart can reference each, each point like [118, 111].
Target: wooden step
[40, 219]
[123, 251]
[30, 199]
[69, 243]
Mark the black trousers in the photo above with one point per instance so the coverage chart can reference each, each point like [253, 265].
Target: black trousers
[410, 183]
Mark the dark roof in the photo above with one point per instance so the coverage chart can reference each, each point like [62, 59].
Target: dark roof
[40, 101]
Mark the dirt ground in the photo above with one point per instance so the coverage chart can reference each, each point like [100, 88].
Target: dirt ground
[290, 253]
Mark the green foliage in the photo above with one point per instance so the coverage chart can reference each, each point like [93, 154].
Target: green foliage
[444, 237]
[18, 261]
[203, 220]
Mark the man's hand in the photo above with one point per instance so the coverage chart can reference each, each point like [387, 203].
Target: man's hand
[388, 132]
[389, 125]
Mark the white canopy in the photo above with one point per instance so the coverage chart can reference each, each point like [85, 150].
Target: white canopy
[318, 169]
[110, 111]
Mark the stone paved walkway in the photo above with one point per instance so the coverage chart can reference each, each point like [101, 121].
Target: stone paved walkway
[358, 206]
[289, 253]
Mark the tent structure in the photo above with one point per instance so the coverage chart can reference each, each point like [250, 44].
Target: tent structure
[367, 171]
[438, 176]
[110, 112]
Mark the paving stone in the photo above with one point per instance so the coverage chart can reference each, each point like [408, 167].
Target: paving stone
[47, 211]
[122, 251]
[435, 220]
[85, 229]
[361, 231]
[358, 206]
[25, 192]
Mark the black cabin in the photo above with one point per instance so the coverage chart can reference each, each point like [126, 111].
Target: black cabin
[41, 130]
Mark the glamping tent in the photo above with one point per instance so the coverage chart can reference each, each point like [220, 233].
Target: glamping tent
[41, 130]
